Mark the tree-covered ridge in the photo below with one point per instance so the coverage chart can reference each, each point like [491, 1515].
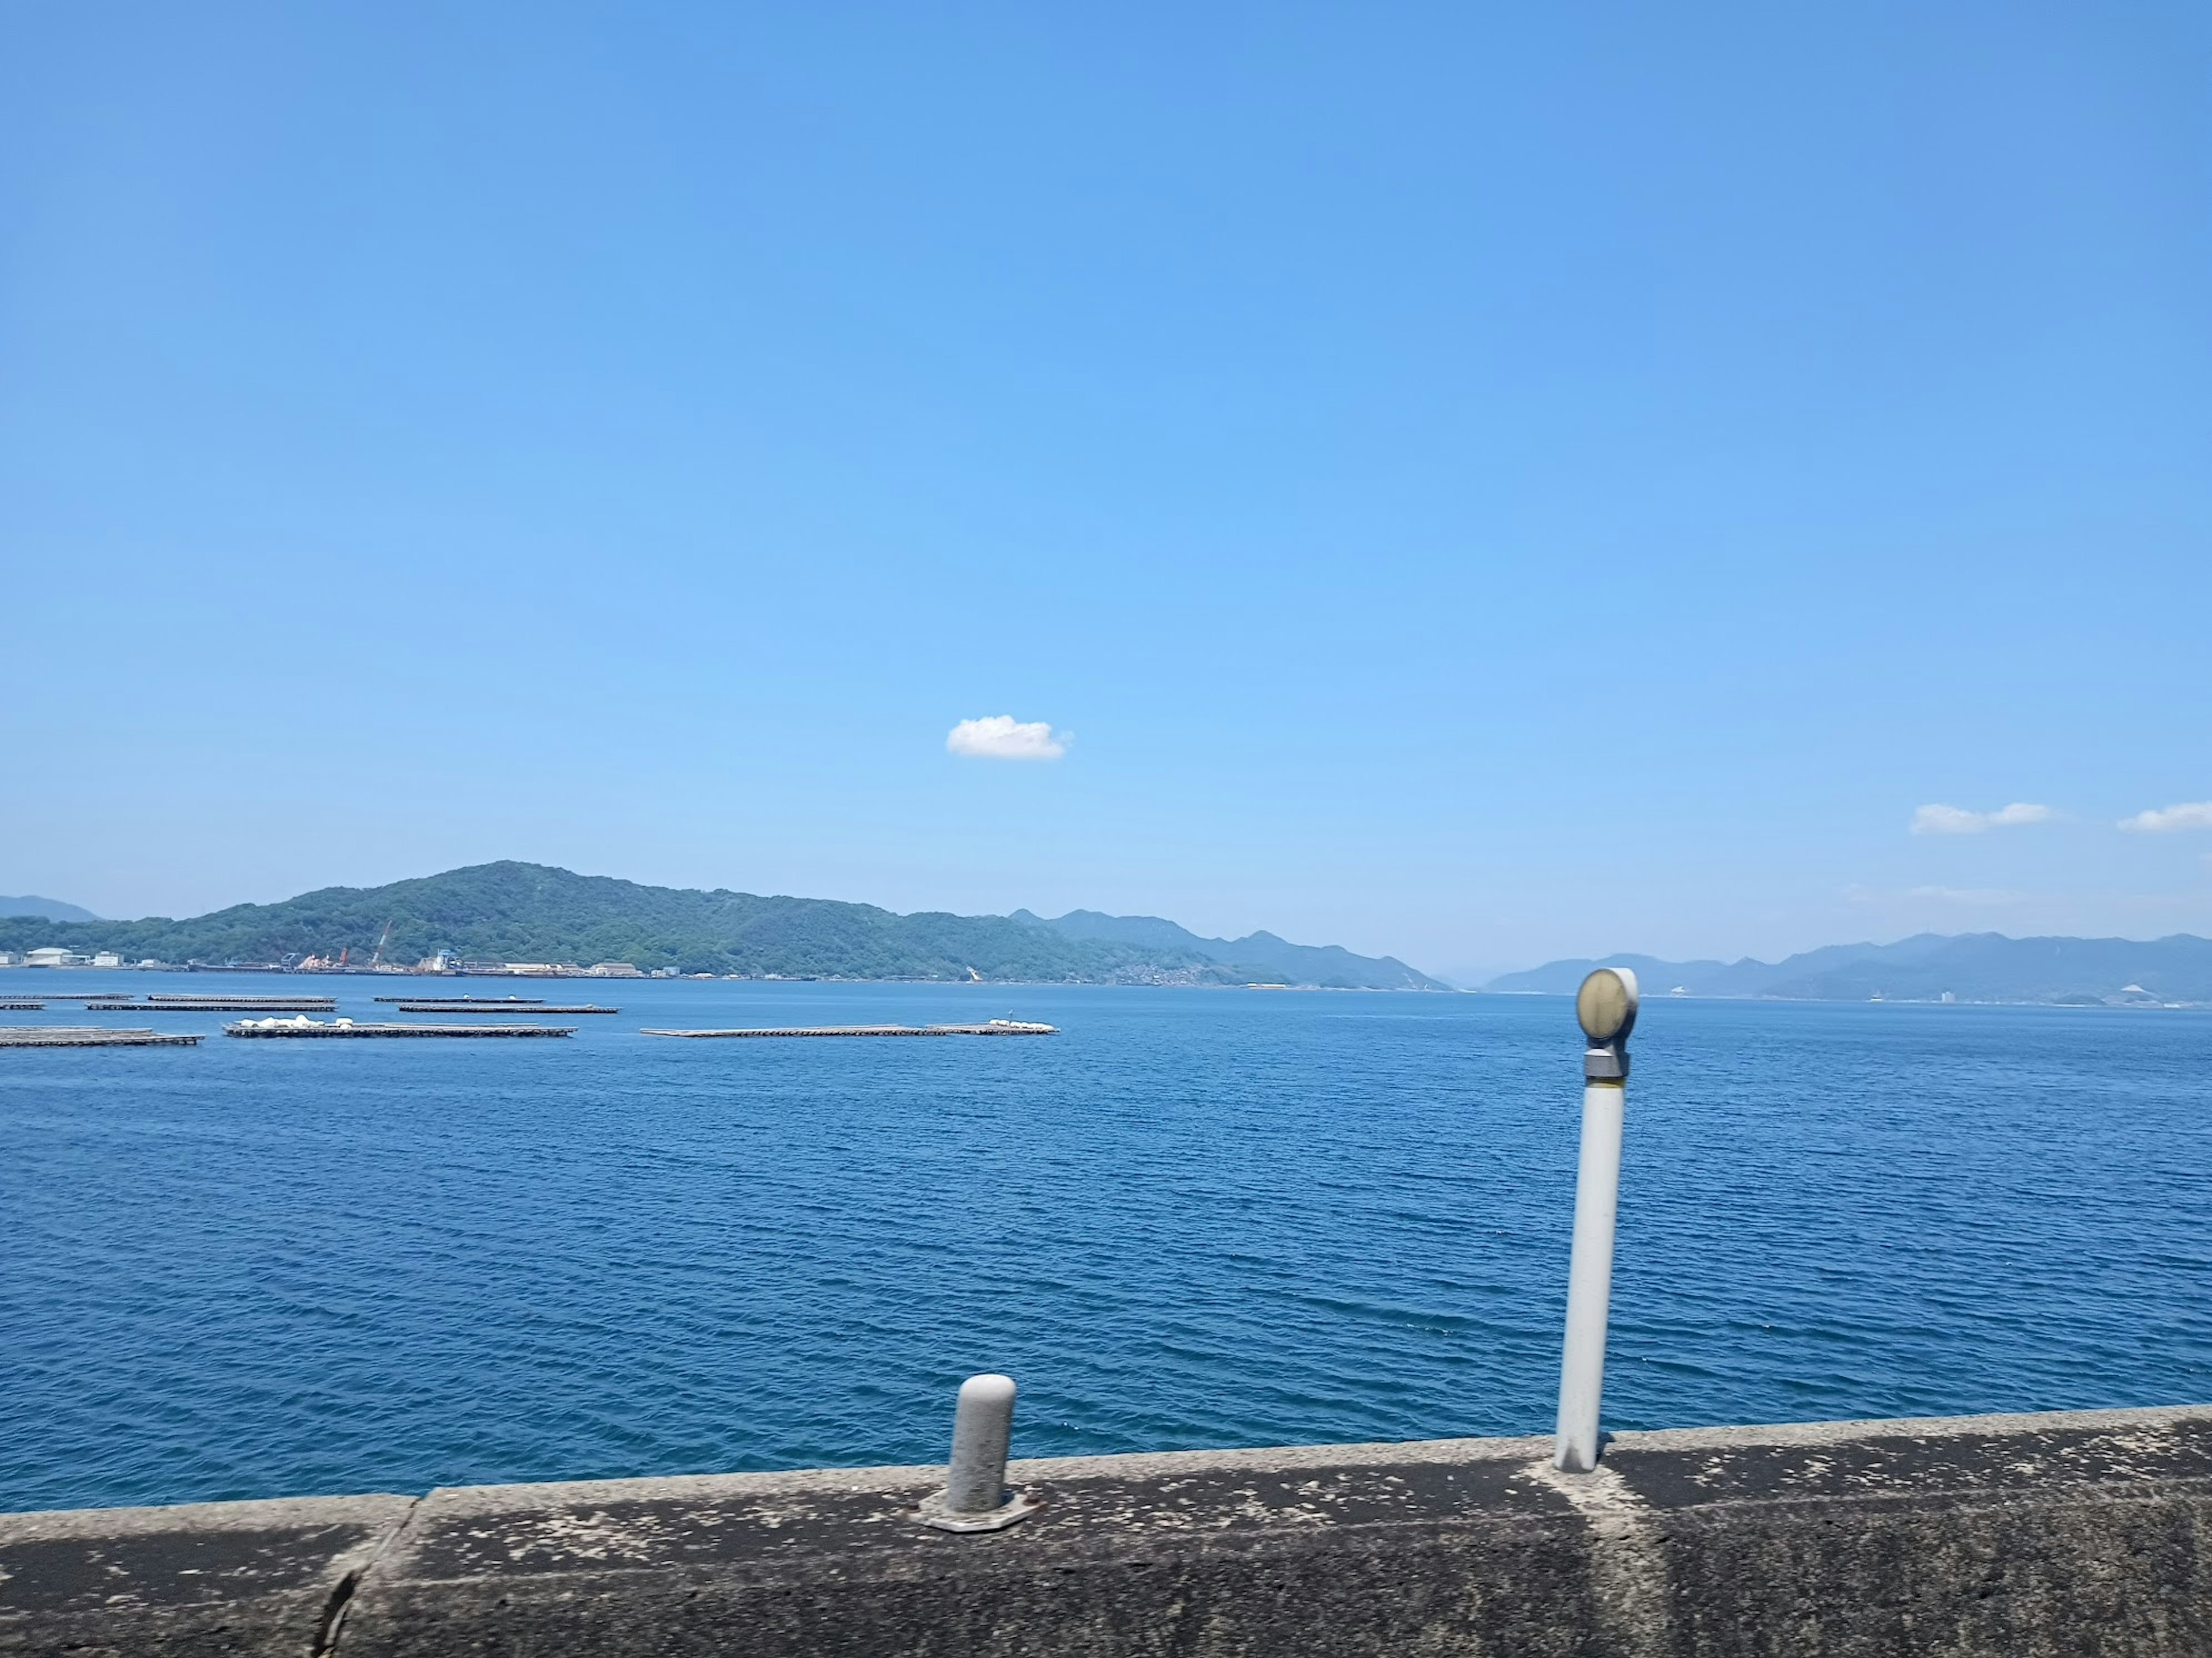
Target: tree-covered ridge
[1260, 956]
[517, 912]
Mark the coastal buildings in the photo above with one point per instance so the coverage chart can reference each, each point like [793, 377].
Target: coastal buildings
[441, 963]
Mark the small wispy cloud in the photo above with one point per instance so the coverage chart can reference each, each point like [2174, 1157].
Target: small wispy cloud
[1002, 737]
[1957, 820]
[1893, 897]
[1967, 895]
[2190, 815]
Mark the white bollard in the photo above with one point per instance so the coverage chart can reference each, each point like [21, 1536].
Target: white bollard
[983, 1430]
[1605, 1007]
[975, 1497]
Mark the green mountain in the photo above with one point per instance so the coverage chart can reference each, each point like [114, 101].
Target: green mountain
[1262, 956]
[1975, 967]
[514, 912]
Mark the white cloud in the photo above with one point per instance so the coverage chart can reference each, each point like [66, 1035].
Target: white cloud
[1956, 820]
[2190, 815]
[1002, 737]
[1968, 894]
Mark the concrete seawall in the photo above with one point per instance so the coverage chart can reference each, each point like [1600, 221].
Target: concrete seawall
[2024, 1536]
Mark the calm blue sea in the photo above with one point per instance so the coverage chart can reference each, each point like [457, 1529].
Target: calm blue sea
[1194, 1219]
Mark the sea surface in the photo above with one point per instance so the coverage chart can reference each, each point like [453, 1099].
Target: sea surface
[1192, 1218]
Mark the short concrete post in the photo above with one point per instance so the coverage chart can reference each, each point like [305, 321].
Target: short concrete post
[975, 1497]
[1606, 1008]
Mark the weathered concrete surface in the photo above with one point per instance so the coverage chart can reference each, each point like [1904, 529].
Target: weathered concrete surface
[1399, 1549]
[2060, 1534]
[194, 1582]
[2015, 1537]
[2028, 1536]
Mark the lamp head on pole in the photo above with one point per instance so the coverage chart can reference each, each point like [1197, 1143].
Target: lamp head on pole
[1606, 1008]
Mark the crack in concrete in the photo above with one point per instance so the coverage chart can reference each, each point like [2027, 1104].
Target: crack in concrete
[332, 1625]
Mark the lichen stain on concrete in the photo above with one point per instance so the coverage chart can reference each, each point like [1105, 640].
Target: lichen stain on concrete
[595, 1536]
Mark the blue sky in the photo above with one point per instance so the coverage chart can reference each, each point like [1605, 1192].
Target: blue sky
[1481, 484]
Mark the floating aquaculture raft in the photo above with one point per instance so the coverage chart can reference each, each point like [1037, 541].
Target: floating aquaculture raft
[499, 1007]
[118, 1003]
[87, 1035]
[994, 1028]
[347, 1027]
[469, 1001]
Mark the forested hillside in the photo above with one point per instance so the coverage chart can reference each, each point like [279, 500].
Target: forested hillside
[516, 912]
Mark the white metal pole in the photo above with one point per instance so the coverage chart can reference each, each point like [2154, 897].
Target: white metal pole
[1605, 1007]
[1589, 1276]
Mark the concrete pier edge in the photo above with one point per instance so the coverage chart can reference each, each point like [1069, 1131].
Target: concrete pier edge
[2049, 1533]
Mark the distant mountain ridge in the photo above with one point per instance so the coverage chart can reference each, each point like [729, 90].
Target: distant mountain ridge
[517, 912]
[45, 909]
[1974, 966]
[1261, 957]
